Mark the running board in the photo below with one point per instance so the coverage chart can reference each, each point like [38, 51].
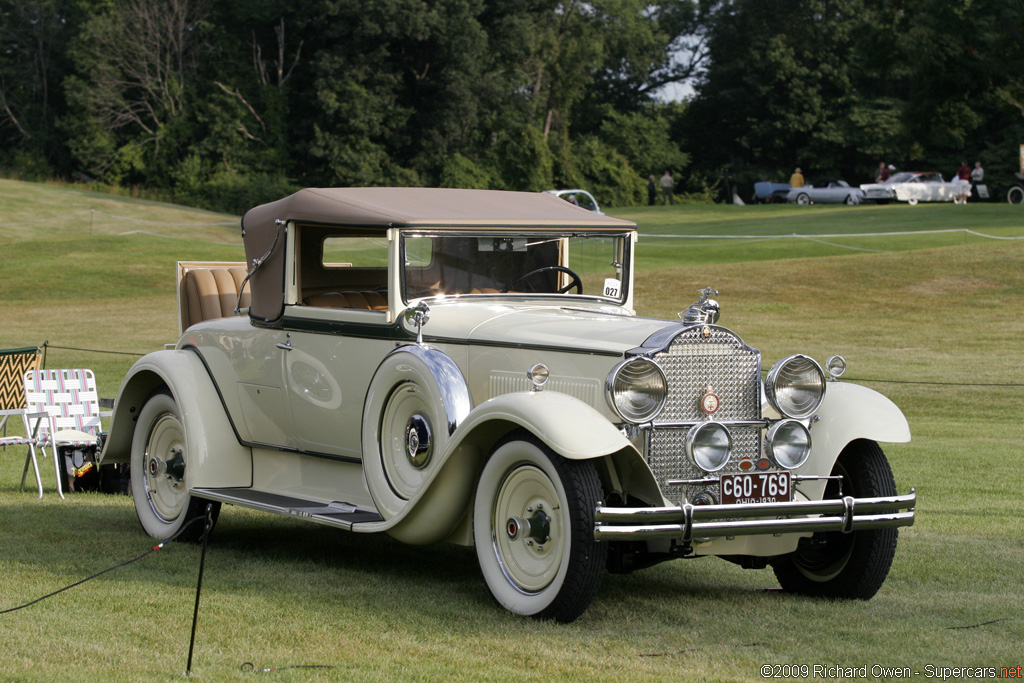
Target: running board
[338, 514]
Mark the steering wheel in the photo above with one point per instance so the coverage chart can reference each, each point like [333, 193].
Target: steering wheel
[576, 281]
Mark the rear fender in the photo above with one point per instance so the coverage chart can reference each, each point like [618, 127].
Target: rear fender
[215, 457]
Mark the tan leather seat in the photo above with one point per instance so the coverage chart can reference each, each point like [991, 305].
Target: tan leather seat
[211, 293]
[366, 300]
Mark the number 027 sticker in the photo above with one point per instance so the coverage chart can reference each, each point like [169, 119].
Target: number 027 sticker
[612, 288]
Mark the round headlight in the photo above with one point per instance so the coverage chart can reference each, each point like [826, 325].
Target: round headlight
[708, 446]
[788, 444]
[795, 386]
[637, 389]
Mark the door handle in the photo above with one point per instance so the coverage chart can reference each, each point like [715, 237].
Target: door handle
[287, 345]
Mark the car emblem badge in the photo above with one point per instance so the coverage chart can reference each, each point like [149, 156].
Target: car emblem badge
[706, 331]
[710, 403]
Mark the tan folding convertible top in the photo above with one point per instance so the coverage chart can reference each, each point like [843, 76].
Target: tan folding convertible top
[387, 207]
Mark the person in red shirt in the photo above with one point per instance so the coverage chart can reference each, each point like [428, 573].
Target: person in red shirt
[963, 174]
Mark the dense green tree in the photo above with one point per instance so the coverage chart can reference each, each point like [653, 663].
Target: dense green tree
[138, 66]
[233, 102]
[33, 65]
[835, 86]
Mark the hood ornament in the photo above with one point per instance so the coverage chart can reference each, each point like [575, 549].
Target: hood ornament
[704, 312]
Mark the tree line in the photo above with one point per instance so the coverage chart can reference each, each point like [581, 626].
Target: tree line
[229, 103]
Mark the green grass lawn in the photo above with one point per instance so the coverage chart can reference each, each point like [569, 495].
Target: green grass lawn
[934, 325]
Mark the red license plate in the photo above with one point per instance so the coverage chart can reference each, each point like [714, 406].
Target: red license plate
[756, 487]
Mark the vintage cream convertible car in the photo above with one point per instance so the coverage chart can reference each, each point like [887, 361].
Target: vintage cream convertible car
[467, 366]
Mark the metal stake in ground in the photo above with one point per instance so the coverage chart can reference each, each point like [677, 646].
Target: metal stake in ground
[199, 586]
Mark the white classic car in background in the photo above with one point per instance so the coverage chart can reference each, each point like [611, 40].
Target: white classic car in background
[913, 187]
[826, 191]
[467, 366]
[580, 198]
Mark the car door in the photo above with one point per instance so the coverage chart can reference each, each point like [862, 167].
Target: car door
[326, 375]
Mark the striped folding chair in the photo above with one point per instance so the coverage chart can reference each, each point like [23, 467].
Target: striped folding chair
[14, 363]
[69, 399]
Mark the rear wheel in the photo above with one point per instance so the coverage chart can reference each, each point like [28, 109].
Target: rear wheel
[158, 460]
[854, 565]
[1015, 195]
[533, 526]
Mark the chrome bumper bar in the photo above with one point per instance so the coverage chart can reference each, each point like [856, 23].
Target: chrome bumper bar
[687, 522]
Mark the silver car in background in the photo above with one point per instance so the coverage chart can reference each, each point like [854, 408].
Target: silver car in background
[826, 191]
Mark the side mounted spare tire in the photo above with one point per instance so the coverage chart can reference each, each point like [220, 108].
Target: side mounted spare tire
[416, 399]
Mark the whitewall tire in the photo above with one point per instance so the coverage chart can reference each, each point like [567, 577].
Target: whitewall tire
[533, 527]
[159, 460]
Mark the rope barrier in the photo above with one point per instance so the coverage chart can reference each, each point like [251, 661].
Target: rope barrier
[124, 218]
[48, 345]
[797, 235]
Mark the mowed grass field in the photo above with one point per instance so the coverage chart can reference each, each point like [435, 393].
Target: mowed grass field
[932, 320]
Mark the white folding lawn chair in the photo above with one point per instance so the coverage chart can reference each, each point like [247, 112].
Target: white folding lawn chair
[69, 399]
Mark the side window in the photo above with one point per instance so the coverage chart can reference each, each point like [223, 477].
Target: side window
[348, 252]
[343, 271]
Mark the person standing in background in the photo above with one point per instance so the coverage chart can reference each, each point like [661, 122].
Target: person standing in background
[977, 178]
[963, 174]
[797, 179]
[668, 186]
[652, 191]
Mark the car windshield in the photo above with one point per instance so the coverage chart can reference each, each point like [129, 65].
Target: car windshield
[449, 263]
[903, 177]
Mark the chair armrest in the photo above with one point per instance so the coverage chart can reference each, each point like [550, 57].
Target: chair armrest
[7, 412]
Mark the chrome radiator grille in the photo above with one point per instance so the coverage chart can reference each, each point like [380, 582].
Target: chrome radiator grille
[692, 363]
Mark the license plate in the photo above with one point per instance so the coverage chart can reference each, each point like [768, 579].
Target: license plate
[756, 487]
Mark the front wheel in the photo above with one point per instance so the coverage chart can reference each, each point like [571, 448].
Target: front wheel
[803, 199]
[533, 526]
[854, 565]
[158, 461]
[1015, 195]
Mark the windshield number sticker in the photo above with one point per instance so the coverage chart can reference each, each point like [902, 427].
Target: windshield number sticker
[612, 288]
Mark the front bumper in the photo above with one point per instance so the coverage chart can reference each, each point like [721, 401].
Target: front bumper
[690, 522]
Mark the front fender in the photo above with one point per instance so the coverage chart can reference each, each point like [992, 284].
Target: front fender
[215, 457]
[570, 427]
[850, 412]
[567, 425]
